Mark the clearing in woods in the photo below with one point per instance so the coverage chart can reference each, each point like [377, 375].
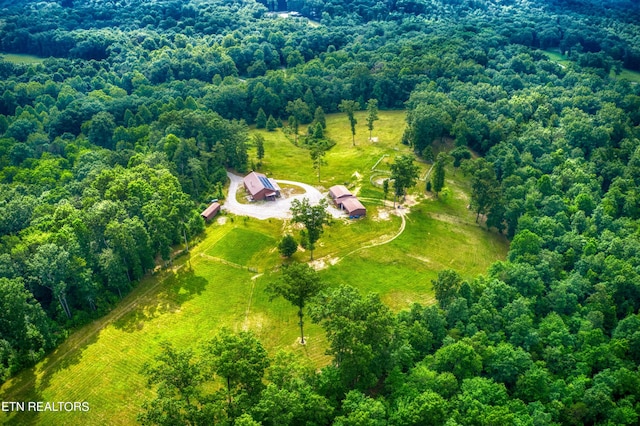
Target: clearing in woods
[221, 282]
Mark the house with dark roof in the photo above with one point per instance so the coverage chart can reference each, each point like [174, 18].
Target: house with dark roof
[261, 187]
[211, 211]
[338, 193]
[353, 207]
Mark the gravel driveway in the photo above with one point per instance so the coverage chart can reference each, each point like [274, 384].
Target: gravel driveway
[280, 208]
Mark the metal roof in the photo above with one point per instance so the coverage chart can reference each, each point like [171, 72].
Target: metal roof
[265, 182]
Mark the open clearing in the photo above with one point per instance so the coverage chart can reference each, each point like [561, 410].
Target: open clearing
[222, 280]
[563, 61]
[20, 58]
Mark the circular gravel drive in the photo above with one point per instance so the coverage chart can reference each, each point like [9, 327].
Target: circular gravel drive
[280, 208]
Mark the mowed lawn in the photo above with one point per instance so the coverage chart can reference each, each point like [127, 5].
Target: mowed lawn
[222, 281]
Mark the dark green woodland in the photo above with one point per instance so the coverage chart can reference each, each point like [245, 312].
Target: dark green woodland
[112, 145]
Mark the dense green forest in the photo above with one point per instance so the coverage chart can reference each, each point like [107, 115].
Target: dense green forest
[112, 145]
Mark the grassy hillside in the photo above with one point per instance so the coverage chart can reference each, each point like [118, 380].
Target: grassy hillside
[221, 282]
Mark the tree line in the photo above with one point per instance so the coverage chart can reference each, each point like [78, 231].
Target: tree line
[108, 152]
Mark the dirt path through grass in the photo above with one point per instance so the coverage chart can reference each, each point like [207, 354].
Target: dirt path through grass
[403, 225]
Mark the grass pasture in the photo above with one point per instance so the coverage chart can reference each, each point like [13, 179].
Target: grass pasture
[346, 164]
[221, 281]
[21, 58]
[632, 76]
[246, 248]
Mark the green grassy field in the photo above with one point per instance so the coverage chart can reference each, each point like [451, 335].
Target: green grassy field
[625, 74]
[18, 58]
[222, 280]
[632, 76]
[556, 56]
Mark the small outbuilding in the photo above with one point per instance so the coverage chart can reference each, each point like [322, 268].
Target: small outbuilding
[339, 193]
[261, 187]
[211, 211]
[353, 207]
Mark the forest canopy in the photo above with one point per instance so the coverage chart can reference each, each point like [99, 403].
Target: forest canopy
[112, 143]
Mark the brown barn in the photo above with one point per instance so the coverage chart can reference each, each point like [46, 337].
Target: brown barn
[338, 193]
[261, 187]
[353, 207]
[211, 211]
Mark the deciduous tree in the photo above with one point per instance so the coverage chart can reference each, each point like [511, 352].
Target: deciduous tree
[240, 360]
[288, 246]
[350, 107]
[438, 173]
[312, 217]
[178, 376]
[372, 114]
[298, 284]
[446, 286]
[485, 188]
[404, 174]
[360, 334]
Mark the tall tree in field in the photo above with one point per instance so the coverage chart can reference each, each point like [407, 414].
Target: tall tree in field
[350, 108]
[294, 125]
[258, 141]
[319, 117]
[312, 217]
[317, 153]
[299, 283]
[404, 174]
[438, 173]
[372, 114]
[299, 110]
[385, 189]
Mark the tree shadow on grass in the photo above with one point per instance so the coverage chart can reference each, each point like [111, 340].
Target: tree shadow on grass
[183, 286]
[65, 355]
[27, 386]
[22, 389]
